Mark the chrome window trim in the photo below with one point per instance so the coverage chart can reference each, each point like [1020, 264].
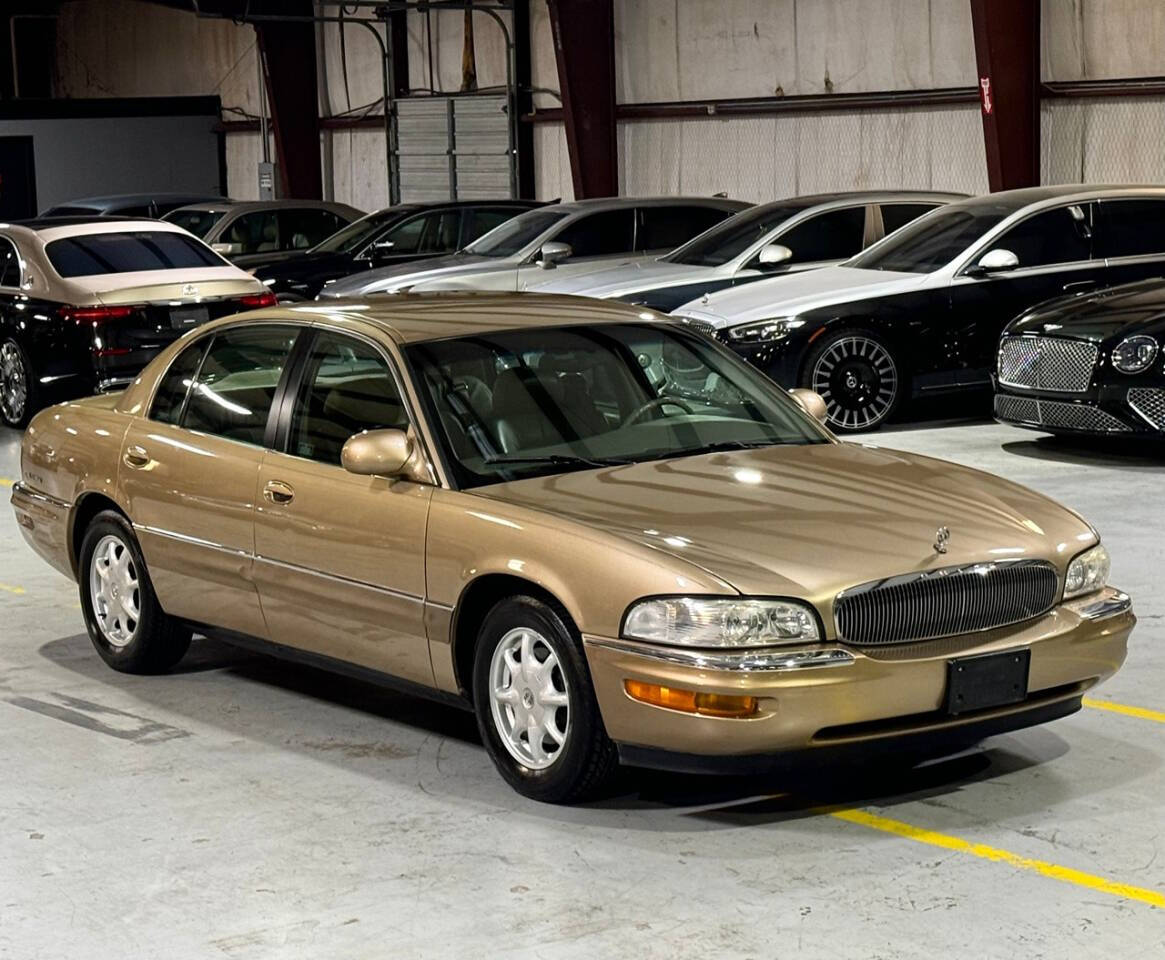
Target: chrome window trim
[759, 660]
[19, 263]
[973, 251]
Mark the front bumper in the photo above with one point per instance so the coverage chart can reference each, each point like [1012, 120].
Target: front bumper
[862, 698]
[1105, 410]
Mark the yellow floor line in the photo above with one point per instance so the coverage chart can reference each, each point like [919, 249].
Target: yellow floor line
[1052, 870]
[1157, 716]
[9, 588]
[6, 481]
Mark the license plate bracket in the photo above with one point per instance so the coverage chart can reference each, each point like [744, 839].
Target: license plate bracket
[183, 318]
[987, 680]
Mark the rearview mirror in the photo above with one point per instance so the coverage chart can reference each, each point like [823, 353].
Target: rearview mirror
[227, 249]
[552, 252]
[773, 253]
[998, 260]
[377, 453]
[811, 402]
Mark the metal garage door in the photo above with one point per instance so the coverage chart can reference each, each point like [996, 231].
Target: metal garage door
[452, 148]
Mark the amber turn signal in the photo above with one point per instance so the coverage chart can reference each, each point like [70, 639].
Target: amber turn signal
[689, 701]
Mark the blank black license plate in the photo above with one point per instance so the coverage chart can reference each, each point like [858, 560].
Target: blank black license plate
[988, 680]
[183, 317]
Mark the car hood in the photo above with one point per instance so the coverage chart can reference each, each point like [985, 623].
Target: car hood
[809, 521]
[627, 276]
[796, 293]
[1117, 311]
[390, 279]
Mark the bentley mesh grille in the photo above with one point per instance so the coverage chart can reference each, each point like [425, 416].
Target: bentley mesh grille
[1046, 363]
[945, 602]
[1149, 402]
[1056, 415]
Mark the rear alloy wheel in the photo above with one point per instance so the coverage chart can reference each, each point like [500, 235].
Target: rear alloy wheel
[535, 707]
[856, 376]
[15, 385]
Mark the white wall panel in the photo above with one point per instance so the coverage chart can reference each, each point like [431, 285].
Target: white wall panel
[1103, 140]
[552, 163]
[1102, 39]
[358, 172]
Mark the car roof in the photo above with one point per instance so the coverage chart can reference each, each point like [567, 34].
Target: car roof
[1016, 200]
[620, 203]
[421, 317]
[264, 205]
[54, 228]
[868, 196]
[119, 199]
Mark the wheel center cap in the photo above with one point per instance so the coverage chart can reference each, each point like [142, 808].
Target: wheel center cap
[527, 698]
[851, 381]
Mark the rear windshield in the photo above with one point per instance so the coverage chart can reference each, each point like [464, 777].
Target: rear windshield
[101, 253]
[197, 222]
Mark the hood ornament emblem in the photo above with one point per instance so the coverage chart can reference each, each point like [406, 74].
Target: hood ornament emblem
[189, 290]
[941, 536]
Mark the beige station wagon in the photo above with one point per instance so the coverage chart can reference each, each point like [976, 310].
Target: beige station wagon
[601, 531]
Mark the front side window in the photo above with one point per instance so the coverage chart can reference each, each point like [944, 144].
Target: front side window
[515, 234]
[934, 240]
[1132, 228]
[232, 394]
[600, 234]
[348, 388]
[252, 233]
[95, 254]
[350, 238]
[730, 238]
[1062, 235]
[303, 229]
[525, 403]
[836, 235]
[481, 220]
[173, 388]
[197, 222]
[897, 215]
[9, 264]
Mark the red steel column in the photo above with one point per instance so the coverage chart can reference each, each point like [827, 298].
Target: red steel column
[289, 54]
[1007, 52]
[584, 45]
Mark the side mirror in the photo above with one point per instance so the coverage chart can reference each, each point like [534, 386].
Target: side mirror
[227, 249]
[998, 260]
[811, 402]
[773, 253]
[552, 252]
[377, 453]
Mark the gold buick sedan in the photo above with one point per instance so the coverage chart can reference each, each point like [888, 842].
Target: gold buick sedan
[599, 530]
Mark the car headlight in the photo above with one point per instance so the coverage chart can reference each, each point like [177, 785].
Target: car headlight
[1087, 573]
[720, 622]
[764, 330]
[1134, 354]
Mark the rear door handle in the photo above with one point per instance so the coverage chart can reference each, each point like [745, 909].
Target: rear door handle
[276, 491]
[136, 457]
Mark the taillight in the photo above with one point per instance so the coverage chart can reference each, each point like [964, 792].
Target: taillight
[96, 314]
[264, 299]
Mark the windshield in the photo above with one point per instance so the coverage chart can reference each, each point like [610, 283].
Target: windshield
[129, 252]
[538, 401]
[934, 239]
[197, 222]
[729, 239]
[359, 232]
[510, 237]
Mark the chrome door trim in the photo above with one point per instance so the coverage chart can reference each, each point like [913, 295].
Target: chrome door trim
[345, 581]
[760, 660]
[24, 490]
[193, 541]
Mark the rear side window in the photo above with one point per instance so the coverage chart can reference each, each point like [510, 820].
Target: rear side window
[232, 394]
[300, 229]
[895, 215]
[9, 264]
[665, 228]
[252, 233]
[600, 234]
[481, 221]
[1132, 228]
[128, 252]
[170, 395]
[197, 222]
[836, 235]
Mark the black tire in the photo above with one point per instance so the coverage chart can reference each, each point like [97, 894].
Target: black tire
[19, 398]
[152, 642]
[858, 375]
[586, 760]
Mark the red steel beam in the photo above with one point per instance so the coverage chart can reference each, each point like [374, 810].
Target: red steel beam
[1007, 52]
[288, 50]
[584, 47]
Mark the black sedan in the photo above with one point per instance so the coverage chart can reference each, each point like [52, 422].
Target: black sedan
[1087, 364]
[921, 311]
[411, 231]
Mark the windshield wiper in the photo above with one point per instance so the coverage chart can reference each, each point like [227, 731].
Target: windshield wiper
[720, 445]
[561, 460]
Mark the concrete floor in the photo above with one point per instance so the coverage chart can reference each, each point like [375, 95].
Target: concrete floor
[247, 808]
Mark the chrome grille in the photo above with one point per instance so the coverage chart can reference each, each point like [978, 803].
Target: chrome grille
[945, 602]
[1056, 415]
[1046, 363]
[700, 326]
[1149, 402]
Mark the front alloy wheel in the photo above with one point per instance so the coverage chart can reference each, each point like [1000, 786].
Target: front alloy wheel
[13, 384]
[529, 702]
[856, 376]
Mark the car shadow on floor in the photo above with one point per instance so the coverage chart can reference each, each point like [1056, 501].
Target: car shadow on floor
[1145, 454]
[327, 717]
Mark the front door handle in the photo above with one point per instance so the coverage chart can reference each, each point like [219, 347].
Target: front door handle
[1079, 285]
[136, 457]
[276, 491]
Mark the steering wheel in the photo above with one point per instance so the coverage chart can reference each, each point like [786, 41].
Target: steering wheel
[642, 411]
